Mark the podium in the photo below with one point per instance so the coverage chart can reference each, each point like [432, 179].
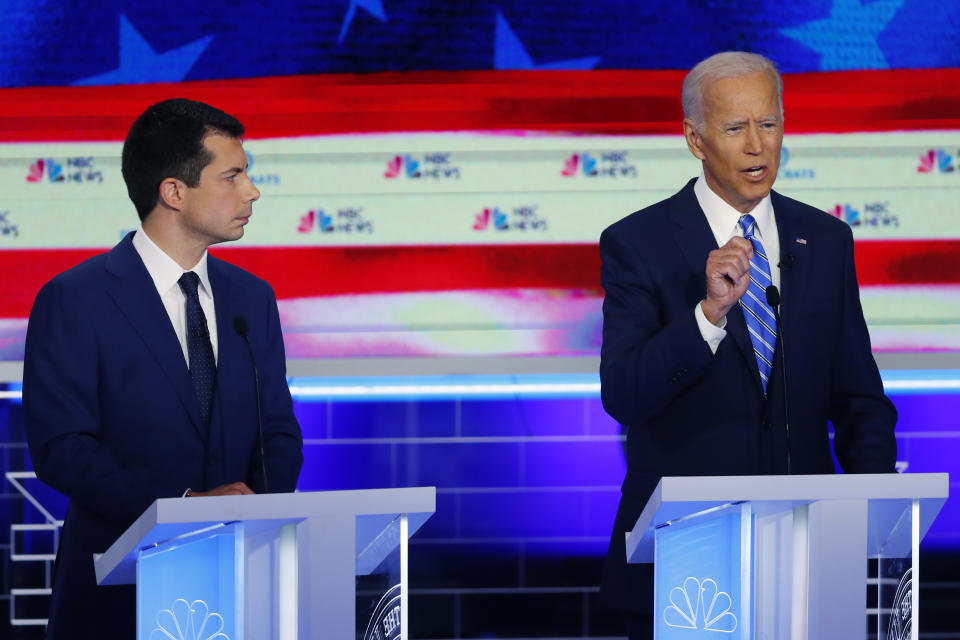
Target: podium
[816, 557]
[327, 564]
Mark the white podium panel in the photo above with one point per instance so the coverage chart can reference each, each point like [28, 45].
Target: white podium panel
[298, 565]
[787, 556]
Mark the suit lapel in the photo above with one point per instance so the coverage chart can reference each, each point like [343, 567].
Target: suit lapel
[232, 360]
[795, 255]
[226, 297]
[695, 239]
[136, 296]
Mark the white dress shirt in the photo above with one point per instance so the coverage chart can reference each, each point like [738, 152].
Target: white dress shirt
[166, 273]
[724, 223]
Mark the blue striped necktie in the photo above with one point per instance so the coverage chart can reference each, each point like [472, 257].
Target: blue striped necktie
[759, 316]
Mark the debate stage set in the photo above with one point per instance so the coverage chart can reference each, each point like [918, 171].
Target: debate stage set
[434, 180]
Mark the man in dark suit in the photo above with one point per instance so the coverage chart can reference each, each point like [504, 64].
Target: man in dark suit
[691, 363]
[137, 381]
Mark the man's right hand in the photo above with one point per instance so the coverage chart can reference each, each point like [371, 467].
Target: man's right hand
[235, 489]
[728, 276]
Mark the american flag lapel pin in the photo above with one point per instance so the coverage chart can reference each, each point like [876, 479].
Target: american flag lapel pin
[801, 241]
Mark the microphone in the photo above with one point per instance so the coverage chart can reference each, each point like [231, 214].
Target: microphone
[240, 326]
[773, 299]
[786, 262]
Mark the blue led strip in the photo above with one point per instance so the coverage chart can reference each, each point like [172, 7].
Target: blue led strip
[921, 381]
[452, 386]
[899, 382]
[895, 382]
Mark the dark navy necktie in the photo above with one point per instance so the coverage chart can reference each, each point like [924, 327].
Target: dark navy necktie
[761, 322]
[203, 368]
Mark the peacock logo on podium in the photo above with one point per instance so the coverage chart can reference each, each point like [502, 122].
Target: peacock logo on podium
[700, 605]
[188, 621]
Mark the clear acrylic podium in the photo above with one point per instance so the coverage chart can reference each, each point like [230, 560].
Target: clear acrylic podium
[787, 557]
[327, 564]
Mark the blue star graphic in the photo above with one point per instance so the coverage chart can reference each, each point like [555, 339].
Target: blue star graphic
[509, 52]
[139, 63]
[847, 38]
[373, 7]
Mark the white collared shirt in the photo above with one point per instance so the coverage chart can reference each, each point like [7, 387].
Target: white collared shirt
[165, 273]
[724, 223]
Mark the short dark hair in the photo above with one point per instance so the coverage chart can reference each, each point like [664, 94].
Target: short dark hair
[166, 141]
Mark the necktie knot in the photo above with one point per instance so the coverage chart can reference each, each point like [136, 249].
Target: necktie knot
[189, 282]
[748, 225]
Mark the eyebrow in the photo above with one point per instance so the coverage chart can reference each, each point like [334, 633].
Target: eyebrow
[232, 170]
[744, 121]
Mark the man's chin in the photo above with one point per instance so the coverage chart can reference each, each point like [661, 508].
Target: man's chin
[750, 198]
[228, 237]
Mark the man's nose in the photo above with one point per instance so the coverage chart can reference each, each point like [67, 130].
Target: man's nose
[754, 142]
[253, 193]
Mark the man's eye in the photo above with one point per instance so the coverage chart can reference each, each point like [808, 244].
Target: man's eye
[734, 129]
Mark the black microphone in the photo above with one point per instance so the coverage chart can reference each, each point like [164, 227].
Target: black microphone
[240, 326]
[773, 299]
[786, 262]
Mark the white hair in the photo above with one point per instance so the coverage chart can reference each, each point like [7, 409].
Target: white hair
[729, 64]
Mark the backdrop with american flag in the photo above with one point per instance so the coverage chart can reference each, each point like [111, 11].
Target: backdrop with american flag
[435, 175]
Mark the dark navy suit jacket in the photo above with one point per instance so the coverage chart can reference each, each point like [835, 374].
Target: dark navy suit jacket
[690, 412]
[113, 422]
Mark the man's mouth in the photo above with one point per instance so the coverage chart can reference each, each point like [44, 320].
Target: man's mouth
[754, 172]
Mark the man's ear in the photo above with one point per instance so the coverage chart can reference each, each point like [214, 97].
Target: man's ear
[171, 193]
[694, 140]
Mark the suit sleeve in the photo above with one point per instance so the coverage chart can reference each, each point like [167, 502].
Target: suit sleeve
[61, 409]
[645, 362]
[283, 442]
[863, 417]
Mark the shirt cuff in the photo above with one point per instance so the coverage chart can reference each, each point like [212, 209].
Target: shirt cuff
[711, 333]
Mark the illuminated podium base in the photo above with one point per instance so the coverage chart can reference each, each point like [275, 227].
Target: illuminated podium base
[327, 564]
[787, 557]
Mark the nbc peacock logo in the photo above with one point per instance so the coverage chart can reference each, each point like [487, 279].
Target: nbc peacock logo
[936, 161]
[515, 219]
[609, 164]
[77, 170]
[429, 166]
[188, 621]
[700, 605]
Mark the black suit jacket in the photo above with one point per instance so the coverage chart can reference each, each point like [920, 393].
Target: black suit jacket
[113, 422]
[690, 412]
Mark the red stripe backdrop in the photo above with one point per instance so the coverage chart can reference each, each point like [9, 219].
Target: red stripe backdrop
[609, 102]
[307, 271]
[594, 102]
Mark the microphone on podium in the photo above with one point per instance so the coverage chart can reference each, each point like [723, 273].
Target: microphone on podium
[242, 329]
[773, 299]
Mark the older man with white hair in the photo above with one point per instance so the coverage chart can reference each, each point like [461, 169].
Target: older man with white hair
[692, 362]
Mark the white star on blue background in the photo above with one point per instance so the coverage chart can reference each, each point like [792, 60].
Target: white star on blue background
[509, 52]
[140, 63]
[847, 38]
[373, 7]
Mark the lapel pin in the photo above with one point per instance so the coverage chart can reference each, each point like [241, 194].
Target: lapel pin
[801, 241]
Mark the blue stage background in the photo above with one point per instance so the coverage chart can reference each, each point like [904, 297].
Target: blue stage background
[66, 43]
[527, 486]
